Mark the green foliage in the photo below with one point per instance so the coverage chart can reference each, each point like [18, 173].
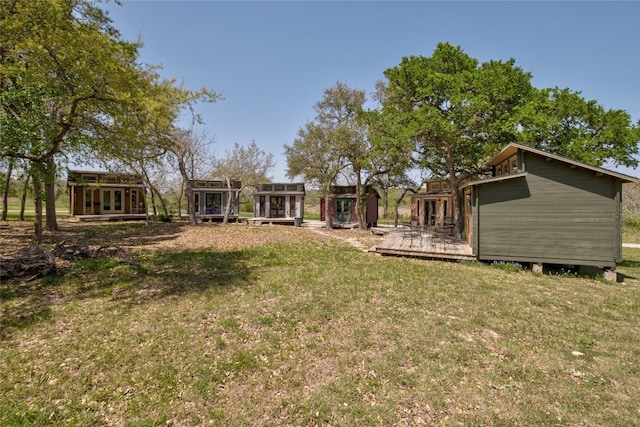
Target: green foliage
[452, 112]
[162, 217]
[561, 121]
[71, 85]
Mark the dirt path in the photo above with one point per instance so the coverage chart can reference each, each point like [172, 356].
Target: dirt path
[362, 240]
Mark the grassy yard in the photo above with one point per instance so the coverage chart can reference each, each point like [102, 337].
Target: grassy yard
[13, 205]
[244, 326]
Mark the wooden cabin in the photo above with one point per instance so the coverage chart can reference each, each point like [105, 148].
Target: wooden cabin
[431, 209]
[279, 203]
[543, 208]
[106, 195]
[210, 199]
[342, 207]
[535, 207]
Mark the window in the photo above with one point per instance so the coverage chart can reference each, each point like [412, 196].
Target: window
[117, 200]
[196, 202]
[292, 188]
[278, 188]
[106, 201]
[262, 206]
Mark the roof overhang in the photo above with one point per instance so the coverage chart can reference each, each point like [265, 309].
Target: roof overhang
[513, 148]
[495, 179]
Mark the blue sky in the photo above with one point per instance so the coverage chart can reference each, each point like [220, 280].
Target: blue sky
[271, 60]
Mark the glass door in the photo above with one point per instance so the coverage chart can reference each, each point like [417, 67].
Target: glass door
[88, 201]
[276, 207]
[430, 213]
[213, 203]
[135, 209]
[343, 210]
[112, 201]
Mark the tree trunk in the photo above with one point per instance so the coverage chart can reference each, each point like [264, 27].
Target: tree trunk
[38, 195]
[191, 205]
[179, 201]
[397, 207]
[385, 202]
[361, 201]
[163, 204]
[225, 219]
[153, 201]
[328, 219]
[23, 196]
[5, 192]
[456, 199]
[155, 194]
[50, 194]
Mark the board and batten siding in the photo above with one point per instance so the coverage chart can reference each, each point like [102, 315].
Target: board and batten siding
[554, 214]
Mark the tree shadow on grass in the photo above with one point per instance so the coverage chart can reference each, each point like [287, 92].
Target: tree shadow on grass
[177, 273]
[118, 233]
[629, 263]
[136, 278]
[626, 268]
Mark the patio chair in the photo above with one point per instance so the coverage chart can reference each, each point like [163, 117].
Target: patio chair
[409, 230]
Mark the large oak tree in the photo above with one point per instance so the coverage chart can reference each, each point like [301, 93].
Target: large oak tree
[456, 113]
[66, 78]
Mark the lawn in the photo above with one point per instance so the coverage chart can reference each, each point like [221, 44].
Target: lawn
[247, 325]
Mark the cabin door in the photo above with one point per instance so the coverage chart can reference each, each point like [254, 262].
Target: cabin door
[343, 210]
[88, 201]
[213, 203]
[135, 209]
[277, 207]
[112, 201]
[430, 212]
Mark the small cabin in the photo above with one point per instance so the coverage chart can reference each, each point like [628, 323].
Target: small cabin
[279, 203]
[210, 199]
[544, 208]
[106, 195]
[432, 208]
[342, 206]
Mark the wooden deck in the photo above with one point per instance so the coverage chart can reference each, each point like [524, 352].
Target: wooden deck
[215, 218]
[401, 242]
[270, 221]
[111, 217]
